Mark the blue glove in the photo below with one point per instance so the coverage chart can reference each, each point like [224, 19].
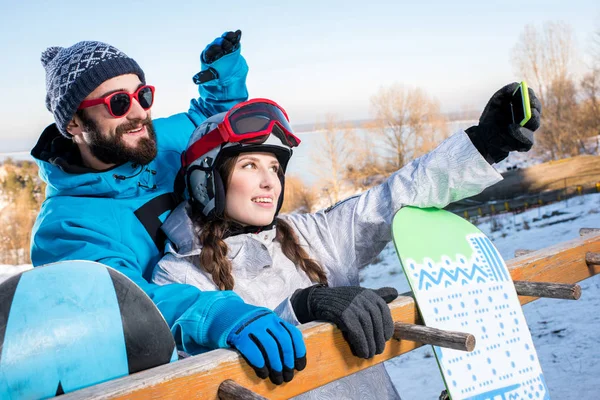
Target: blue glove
[227, 43]
[273, 347]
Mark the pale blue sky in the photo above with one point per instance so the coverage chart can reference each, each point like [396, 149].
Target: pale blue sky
[313, 57]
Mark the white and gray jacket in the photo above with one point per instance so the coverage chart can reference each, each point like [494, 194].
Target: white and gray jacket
[342, 239]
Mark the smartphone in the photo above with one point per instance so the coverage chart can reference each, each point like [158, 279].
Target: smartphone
[519, 105]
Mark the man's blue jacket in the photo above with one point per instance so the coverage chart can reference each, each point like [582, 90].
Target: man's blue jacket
[114, 217]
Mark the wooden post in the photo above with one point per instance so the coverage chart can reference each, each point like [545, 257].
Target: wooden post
[547, 289]
[437, 337]
[587, 231]
[522, 252]
[592, 258]
[229, 390]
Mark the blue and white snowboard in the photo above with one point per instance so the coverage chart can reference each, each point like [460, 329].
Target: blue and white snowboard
[73, 324]
[461, 283]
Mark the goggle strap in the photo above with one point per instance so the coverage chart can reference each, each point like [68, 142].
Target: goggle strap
[202, 146]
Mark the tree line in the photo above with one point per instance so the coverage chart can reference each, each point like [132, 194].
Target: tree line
[22, 193]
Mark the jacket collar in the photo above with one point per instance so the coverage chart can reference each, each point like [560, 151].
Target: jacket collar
[54, 148]
[61, 168]
[181, 232]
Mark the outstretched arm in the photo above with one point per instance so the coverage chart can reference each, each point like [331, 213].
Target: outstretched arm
[356, 230]
[353, 232]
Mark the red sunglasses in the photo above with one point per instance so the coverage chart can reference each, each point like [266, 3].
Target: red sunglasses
[119, 103]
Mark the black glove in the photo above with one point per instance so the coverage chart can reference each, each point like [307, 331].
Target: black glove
[227, 43]
[496, 135]
[361, 314]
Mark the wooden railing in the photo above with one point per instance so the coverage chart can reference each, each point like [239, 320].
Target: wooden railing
[328, 355]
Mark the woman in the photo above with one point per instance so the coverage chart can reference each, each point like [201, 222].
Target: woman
[227, 236]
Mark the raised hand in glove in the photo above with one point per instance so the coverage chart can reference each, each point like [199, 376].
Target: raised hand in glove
[225, 44]
[361, 314]
[273, 347]
[496, 134]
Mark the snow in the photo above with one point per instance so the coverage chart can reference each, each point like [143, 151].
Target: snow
[6, 271]
[564, 332]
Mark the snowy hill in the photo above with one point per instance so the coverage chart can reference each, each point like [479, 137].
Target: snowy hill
[564, 332]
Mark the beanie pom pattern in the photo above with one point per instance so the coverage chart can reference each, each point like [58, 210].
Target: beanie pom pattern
[50, 54]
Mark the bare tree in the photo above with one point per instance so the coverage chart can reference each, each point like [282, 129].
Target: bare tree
[427, 123]
[366, 167]
[590, 94]
[595, 48]
[15, 232]
[545, 59]
[333, 155]
[408, 122]
[561, 134]
[590, 105]
[298, 196]
[22, 190]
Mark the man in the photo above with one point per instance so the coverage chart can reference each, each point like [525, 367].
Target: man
[110, 171]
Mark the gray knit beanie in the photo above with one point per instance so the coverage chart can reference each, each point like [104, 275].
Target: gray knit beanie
[74, 72]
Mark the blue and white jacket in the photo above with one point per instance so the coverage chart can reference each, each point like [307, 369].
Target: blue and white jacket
[114, 216]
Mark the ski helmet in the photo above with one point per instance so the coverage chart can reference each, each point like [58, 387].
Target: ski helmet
[258, 125]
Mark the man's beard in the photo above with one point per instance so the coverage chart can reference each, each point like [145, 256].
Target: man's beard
[113, 150]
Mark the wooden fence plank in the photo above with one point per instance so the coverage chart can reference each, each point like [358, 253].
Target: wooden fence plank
[328, 355]
[565, 291]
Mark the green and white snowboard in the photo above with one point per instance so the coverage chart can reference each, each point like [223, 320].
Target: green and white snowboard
[461, 283]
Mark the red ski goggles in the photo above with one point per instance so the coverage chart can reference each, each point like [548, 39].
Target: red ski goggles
[119, 103]
[250, 122]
